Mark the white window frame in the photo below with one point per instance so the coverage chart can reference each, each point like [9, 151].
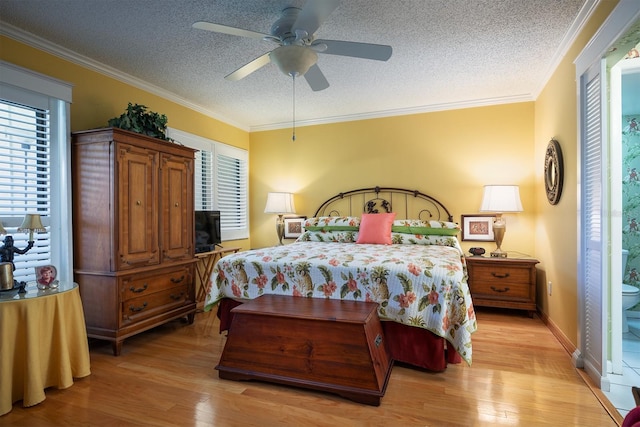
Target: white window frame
[240, 230]
[26, 87]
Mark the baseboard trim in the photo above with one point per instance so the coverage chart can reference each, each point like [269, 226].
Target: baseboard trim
[560, 336]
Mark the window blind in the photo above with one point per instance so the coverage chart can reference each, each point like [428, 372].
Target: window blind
[204, 180]
[231, 193]
[25, 180]
[35, 166]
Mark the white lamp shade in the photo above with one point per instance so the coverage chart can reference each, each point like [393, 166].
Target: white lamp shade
[280, 203]
[501, 198]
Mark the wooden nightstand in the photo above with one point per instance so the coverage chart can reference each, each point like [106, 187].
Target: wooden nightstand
[503, 282]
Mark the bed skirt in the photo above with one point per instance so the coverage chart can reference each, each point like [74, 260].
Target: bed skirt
[407, 344]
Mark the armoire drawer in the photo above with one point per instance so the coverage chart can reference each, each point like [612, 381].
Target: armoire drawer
[142, 284]
[145, 306]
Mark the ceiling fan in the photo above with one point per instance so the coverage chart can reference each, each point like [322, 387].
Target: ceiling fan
[296, 54]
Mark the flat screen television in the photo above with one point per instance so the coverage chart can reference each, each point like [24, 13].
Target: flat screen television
[207, 230]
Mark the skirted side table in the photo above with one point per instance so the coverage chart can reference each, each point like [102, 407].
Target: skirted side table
[43, 343]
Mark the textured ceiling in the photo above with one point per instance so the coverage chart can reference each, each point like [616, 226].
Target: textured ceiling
[446, 53]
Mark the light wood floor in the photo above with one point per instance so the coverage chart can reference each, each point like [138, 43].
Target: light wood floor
[166, 377]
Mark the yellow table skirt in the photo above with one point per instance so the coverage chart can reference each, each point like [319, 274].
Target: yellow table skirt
[43, 343]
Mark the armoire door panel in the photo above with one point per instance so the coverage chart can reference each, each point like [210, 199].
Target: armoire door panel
[177, 206]
[138, 242]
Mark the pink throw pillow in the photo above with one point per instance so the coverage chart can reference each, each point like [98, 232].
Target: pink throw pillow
[376, 228]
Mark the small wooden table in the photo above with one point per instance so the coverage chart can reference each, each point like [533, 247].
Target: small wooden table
[204, 267]
[321, 344]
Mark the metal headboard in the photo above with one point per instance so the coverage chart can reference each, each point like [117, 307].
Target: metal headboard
[408, 204]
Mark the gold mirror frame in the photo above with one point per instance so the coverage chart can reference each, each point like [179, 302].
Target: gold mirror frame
[553, 172]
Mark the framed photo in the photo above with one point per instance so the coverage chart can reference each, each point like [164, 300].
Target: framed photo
[46, 276]
[293, 226]
[477, 228]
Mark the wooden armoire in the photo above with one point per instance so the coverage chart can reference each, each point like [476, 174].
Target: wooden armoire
[133, 236]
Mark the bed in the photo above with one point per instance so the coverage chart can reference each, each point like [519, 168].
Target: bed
[395, 247]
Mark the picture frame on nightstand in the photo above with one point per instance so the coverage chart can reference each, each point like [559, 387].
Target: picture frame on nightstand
[293, 226]
[477, 228]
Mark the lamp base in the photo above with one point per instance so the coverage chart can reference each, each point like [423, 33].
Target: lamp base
[498, 254]
[280, 229]
[499, 228]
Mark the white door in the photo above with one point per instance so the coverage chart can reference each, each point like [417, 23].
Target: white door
[595, 206]
[592, 266]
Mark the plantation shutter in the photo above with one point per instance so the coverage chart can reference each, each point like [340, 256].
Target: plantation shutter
[35, 167]
[204, 180]
[231, 192]
[25, 180]
[593, 225]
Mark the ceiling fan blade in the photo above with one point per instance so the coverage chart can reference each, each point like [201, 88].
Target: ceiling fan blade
[379, 52]
[316, 79]
[249, 68]
[225, 29]
[313, 14]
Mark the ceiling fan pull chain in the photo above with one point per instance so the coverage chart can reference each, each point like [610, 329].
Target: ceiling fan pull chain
[293, 137]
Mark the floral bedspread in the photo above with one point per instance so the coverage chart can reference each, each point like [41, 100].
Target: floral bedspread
[421, 286]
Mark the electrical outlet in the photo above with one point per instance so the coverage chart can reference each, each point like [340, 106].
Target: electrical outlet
[549, 288]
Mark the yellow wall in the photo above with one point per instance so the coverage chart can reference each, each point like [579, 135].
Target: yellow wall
[449, 155]
[97, 98]
[556, 116]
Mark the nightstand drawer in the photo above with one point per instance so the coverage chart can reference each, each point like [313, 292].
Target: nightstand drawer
[502, 289]
[499, 274]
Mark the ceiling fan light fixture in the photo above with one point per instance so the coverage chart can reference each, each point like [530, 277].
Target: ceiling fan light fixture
[293, 60]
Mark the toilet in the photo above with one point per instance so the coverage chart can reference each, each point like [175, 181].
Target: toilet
[630, 294]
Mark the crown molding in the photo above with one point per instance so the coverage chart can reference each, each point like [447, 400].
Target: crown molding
[71, 56]
[567, 41]
[399, 112]
[74, 57]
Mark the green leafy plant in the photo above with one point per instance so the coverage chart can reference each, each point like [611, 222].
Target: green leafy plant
[137, 119]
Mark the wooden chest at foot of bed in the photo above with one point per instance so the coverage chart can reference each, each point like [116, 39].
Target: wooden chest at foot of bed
[321, 344]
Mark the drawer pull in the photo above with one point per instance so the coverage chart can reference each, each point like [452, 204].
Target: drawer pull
[176, 297]
[137, 309]
[500, 276]
[177, 280]
[494, 289]
[142, 289]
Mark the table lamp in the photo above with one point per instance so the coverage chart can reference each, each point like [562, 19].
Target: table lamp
[31, 223]
[500, 199]
[280, 204]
